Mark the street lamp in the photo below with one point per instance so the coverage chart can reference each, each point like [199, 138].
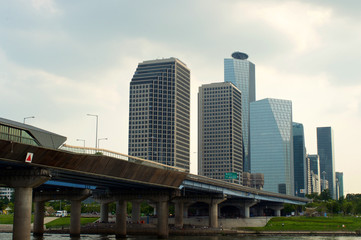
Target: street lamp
[96, 129]
[28, 117]
[101, 139]
[82, 140]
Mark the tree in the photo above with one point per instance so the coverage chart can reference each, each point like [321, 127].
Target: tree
[325, 195]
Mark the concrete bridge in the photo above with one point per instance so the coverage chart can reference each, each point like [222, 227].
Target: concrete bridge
[39, 174]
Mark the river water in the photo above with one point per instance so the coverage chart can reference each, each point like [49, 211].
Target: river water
[8, 236]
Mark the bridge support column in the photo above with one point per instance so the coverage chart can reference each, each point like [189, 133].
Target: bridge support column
[179, 206]
[22, 213]
[163, 212]
[23, 180]
[247, 207]
[277, 209]
[213, 212]
[39, 209]
[121, 219]
[136, 211]
[104, 212]
[75, 218]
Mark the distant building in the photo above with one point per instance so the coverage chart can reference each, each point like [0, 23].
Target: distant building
[159, 112]
[339, 184]
[315, 173]
[6, 192]
[253, 180]
[324, 184]
[325, 150]
[299, 158]
[272, 144]
[241, 72]
[220, 131]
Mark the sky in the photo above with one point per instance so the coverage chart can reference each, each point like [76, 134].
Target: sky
[62, 60]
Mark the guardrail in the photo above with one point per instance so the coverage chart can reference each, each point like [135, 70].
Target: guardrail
[121, 156]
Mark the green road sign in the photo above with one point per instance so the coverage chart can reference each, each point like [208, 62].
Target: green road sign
[230, 175]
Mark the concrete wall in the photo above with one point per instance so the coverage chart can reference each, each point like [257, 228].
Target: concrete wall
[225, 223]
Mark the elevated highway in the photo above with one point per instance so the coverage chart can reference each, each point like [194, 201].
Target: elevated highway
[36, 164]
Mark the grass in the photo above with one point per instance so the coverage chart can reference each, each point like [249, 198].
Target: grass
[65, 222]
[9, 219]
[311, 224]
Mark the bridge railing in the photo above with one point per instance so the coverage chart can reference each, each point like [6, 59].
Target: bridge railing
[121, 156]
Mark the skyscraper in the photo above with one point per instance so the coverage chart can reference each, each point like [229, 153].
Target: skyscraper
[299, 158]
[241, 72]
[220, 131]
[325, 151]
[339, 184]
[272, 144]
[315, 173]
[159, 106]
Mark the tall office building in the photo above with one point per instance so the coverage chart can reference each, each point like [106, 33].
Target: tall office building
[272, 144]
[325, 151]
[241, 72]
[220, 131]
[339, 184]
[159, 106]
[299, 158]
[315, 173]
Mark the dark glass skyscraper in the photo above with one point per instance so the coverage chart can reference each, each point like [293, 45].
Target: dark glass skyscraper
[339, 184]
[220, 131]
[299, 158]
[325, 151]
[159, 121]
[241, 72]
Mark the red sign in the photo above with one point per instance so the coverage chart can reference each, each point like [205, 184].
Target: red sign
[29, 157]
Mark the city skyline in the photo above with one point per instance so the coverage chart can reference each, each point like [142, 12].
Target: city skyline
[60, 62]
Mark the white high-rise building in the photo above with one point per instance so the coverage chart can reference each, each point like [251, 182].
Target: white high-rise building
[220, 131]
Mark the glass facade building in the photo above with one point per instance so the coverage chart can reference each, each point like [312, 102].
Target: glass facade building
[159, 112]
[299, 158]
[220, 131]
[339, 184]
[325, 150]
[272, 144]
[241, 72]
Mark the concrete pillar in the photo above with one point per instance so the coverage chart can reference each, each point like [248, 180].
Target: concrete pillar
[213, 214]
[179, 205]
[163, 212]
[75, 218]
[247, 207]
[136, 211]
[39, 212]
[277, 210]
[121, 219]
[23, 181]
[104, 211]
[22, 213]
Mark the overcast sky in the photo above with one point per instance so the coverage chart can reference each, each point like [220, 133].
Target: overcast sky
[60, 60]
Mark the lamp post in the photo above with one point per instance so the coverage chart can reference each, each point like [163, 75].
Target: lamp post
[96, 129]
[28, 118]
[82, 140]
[101, 139]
